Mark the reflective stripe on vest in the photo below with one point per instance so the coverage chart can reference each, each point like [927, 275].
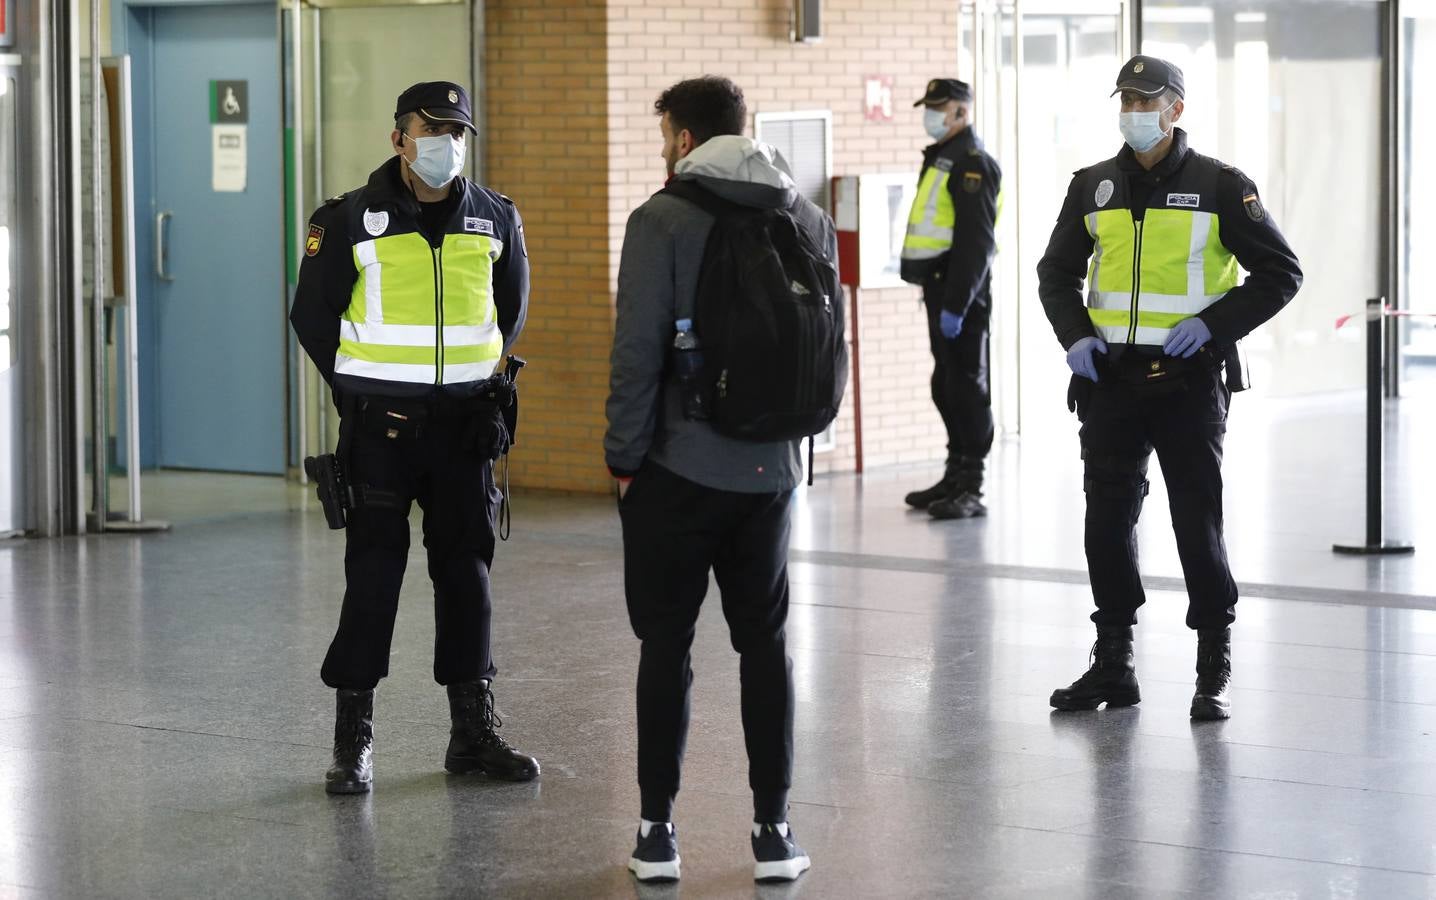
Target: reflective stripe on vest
[1147, 276]
[930, 224]
[422, 315]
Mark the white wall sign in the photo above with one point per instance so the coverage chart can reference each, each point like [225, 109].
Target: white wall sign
[231, 158]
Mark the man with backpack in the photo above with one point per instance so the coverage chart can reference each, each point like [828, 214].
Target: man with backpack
[728, 349]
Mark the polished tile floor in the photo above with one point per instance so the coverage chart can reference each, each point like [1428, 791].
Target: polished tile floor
[163, 732]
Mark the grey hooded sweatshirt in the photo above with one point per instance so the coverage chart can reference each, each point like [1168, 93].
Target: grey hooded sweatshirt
[657, 285]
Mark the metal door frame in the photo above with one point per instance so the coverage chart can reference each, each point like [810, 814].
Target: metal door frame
[46, 53]
[983, 19]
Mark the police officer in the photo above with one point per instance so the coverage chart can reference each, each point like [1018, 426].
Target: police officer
[948, 251]
[411, 291]
[1164, 229]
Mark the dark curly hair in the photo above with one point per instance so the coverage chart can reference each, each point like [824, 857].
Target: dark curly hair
[707, 107]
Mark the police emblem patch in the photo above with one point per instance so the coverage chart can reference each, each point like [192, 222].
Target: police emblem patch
[453, 96]
[1253, 206]
[1189, 201]
[478, 226]
[376, 223]
[971, 181]
[314, 241]
[1139, 68]
[1104, 192]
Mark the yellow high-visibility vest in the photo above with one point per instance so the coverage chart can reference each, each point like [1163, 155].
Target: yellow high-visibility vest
[1146, 276]
[422, 314]
[932, 219]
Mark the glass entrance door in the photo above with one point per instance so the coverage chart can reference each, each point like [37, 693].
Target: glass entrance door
[1417, 74]
[1042, 70]
[349, 63]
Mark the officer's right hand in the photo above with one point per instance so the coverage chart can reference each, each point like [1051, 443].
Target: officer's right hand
[1080, 357]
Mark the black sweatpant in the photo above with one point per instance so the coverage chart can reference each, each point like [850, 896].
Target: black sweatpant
[455, 489]
[674, 532]
[1120, 429]
[961, 389]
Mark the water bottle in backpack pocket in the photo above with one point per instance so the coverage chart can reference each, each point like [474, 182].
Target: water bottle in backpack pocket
[688, 365]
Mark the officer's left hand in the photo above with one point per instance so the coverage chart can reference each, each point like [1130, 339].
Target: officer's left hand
[1189, 336]
[949, 324]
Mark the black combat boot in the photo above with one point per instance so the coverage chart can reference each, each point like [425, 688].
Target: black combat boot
[1112, 678]
[940, 491]
[1214, 674]
[474, 743]
[353, 768]
[965, 500]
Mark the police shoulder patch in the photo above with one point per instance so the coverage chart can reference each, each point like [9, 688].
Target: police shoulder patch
[314, 241]
[971, 182]
[1252, 204]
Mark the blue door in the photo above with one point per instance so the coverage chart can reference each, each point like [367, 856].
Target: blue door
[213, 327]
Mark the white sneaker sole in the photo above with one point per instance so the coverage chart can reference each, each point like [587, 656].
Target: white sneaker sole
[782, 870]
[655, 871]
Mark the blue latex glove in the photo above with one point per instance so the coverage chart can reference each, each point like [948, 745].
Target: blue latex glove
[1080, 357]
[1189, 336]
[950, 324]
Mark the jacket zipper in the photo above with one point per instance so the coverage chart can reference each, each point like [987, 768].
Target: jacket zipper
[1136, 281]
[438, 315]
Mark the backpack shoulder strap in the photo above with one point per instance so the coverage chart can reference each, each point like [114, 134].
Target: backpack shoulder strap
[700, 197]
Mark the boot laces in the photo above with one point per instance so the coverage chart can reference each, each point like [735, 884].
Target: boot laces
[348, 734]
[485, 718]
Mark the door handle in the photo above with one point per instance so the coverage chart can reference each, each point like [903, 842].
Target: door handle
[161, 246]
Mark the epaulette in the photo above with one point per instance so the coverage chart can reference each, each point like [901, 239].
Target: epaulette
[335, 200]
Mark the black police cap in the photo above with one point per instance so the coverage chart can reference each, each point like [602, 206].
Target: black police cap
[941, 90]
[437, 101]
[1150, 76]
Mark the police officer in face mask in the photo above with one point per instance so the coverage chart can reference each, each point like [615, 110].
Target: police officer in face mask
[948, 249]
[1157, 234]
[412, 289]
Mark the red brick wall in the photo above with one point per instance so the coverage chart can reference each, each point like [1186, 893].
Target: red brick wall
[592, 70]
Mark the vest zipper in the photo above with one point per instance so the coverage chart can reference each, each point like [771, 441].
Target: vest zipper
[438, 315]
[1136, 281]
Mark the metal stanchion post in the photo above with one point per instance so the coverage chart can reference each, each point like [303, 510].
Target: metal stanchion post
[1375, 432]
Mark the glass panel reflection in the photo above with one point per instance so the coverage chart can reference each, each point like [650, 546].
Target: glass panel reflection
[1263, 78]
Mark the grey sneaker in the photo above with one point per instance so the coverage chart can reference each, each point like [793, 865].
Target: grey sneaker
[656, 856]
[779, 858]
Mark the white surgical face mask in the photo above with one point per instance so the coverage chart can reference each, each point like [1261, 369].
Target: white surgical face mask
[1142, 130]
[438, 159]
[934, 122]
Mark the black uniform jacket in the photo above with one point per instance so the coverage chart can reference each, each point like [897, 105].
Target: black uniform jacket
[974, 184]
[327, 273]
[1247, 230]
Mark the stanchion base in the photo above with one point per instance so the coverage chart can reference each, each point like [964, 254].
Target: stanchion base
[143, 526]
[1386, 548]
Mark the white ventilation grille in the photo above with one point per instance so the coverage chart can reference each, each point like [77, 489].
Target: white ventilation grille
[805, 139]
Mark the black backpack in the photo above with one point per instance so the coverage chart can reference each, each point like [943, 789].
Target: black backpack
[769, 316]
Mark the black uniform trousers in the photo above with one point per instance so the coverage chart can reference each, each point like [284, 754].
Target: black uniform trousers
[674, 532]
[455, 489]
[1185, 422]
[961, 389]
